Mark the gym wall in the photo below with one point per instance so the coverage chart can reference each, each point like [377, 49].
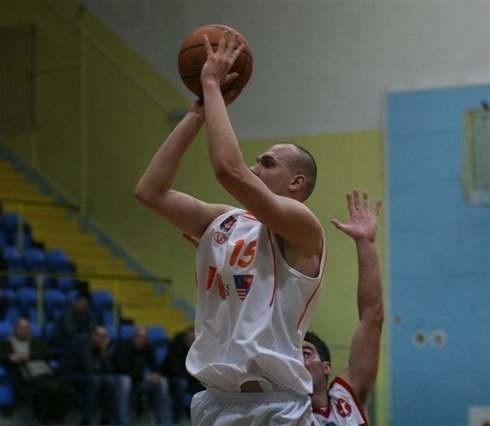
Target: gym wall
[439, 247]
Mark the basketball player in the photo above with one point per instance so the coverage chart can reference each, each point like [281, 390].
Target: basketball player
[344, 402]
[258, 269]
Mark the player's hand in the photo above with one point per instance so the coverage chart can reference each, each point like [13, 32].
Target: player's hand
[363, 223]
[216, 69]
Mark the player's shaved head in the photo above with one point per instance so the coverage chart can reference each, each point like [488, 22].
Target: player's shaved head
[303, 163]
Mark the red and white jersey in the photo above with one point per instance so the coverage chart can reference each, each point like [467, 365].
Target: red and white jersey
[343, 408]
[252, 309]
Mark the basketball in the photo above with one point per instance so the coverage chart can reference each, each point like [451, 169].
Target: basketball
[192, 57]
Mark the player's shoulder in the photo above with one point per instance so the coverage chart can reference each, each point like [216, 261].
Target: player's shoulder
[344, 403]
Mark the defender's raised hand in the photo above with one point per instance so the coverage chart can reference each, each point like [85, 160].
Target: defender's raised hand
[363, 223]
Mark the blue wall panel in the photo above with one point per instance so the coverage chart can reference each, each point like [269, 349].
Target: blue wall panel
[439, 262]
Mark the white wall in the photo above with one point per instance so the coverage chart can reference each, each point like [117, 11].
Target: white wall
[320, 65]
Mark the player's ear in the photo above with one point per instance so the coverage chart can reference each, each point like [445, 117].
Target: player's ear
[327, 368]
[297, 183]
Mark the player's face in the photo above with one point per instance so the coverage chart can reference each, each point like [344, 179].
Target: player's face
[318, 369]
[272, 168]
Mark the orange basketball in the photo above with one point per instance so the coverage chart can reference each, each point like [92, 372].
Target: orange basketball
[192, 57]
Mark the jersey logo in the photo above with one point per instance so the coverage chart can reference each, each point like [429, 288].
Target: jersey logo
[242, 285]
[219, 237]
[214, 277]
[343, 407]
[228, 223]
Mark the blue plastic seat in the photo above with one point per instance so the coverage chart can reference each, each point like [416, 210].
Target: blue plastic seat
[48, 330]
[6, 330]
[36, 330]
[10, 221]
[71, 296]
[34, 259]
[54, 299]
[11, 256]
[32, 315]
[14, 278]
[13, 237]
[6, 390]
[159, 340]
[50, 283]
[66, 284]
[107, 318]
[102, 301]
[157, 335]
[26, 299]
[8, 295]
[126, 331]
[160, 353]
[12, 314]
[58, 261]
[3, 372]
[54, 302]
[112, 332]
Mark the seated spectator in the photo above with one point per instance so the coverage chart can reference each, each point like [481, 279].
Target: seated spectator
[27, 361]
[181, 382]
[135, 362]
[88, 367]
[75, 322]
[4, 303]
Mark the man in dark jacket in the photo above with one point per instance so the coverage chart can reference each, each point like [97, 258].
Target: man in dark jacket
[76, 320]
[181, 382]
[27, 359]
[88, 367]
[135, 362]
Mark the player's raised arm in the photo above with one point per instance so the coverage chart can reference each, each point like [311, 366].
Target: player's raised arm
[363, 363]
[274, 189]
[187, 213]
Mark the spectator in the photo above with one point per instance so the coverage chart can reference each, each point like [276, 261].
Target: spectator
[27, 360]
[181, 382]
[135, 362]
[76, 321]
[4, 303]
[88, 367]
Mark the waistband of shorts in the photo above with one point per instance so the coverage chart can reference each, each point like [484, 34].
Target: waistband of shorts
[244, 397]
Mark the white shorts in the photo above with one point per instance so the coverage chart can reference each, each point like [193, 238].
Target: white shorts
[216, 408]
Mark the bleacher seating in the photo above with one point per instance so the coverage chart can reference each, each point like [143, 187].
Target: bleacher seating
[45, 241]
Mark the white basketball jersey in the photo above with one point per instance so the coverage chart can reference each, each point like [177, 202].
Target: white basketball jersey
[343, 408]
[252, 309]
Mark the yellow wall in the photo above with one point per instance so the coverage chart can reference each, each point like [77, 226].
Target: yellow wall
[126, 120]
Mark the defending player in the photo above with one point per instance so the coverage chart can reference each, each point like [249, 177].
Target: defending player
[258, 269]
[344, 402]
